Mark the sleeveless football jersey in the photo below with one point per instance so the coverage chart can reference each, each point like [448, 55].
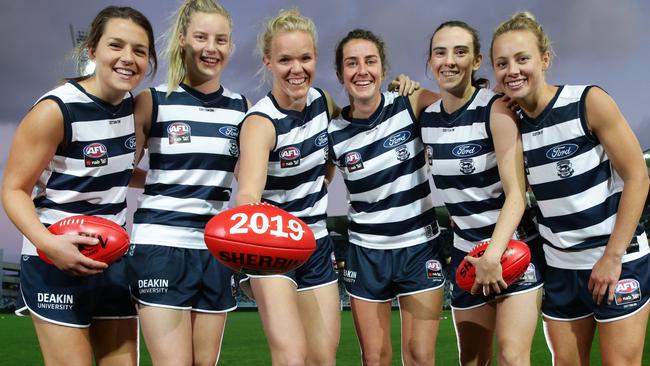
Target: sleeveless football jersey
[295, 179]
[89, 173]
[577, 189]
[384, 168]
[193, 150]
[464, 168]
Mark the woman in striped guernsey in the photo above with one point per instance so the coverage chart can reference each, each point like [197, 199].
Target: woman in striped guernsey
[478, 170]
[283, 162]
[393, 230]
[190, 126]
[73, 155]
[587, 172]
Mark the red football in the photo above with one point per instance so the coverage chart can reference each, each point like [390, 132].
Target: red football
[259, 238]
[113, 239]
[514, 262]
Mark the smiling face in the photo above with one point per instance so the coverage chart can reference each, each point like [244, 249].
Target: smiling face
[206, 47]
[292, 62]
[362, 71]
[518, 64]
[452, 60]
[121, 59]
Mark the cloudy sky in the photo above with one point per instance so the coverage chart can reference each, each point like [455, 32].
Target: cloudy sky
[595, 41]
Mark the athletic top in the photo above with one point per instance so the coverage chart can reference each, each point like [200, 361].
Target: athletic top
[575, 185]
[295, 179]
[90, 171]
[193, 150]
[384, 168]
[464, 168]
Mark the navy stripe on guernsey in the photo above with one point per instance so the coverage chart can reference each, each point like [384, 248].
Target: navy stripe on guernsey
[384, 168]
[295, 179]
[464, 166]
[90, 171]
[193, 150]
[577, 189]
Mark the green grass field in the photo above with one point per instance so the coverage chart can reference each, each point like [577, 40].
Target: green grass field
[244, 343]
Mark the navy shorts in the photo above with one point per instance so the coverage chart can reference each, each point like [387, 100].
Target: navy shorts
[380, 275]
[180, 278]
[318, 271]
[67, 300]
[567, 297]
[531, 280]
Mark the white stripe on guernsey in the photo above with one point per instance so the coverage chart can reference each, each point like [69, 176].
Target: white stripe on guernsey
[180, 112]
[383, 242]
[553, 134]
[196, 176]
[454, 195]
[102, 129]
[451, 167]
[579, 201]
[199, 144]
[320, 206]
[379, 163]
[470, 133]
[569, 94]
[384, 130]
[302, 132]
[170, 236]
[112, 195]
[319, 229]
[476, 220]
[585, 259]
[580, 164]
[307, 162]
[393, 214]
[299, 192]
[77, 167]
[567, 239]
[188, 205]
[401, 184]
[465, 245]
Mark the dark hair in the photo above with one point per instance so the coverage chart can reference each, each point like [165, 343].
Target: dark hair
[365, 35]
[476, 46]
[98, 26]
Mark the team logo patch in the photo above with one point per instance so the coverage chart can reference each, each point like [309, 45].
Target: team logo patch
[353, 161]
[429, 154]
[95, 154]
[233, 150]
[628, 292]
[289, 157]
[434, 269]
[130, 143]
[561, 151]
[402, 152]
[230, 132]
[397, 139]
[429, 233]
[179, 133]
[529, 276]
[564, 169]
[321, 140]
[466, 150]
[467, 166]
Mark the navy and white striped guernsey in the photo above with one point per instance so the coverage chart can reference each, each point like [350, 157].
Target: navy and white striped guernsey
[576, 187]
[464, 167]
[295, 179]
[193, 150]
[384, 168]
[90, 172]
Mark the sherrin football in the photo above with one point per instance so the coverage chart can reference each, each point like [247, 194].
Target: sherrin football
[113, 239]
[514, 262]
[259, 238]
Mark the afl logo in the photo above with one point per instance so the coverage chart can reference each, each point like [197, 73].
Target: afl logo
[627, 286]
[466, 150]
[179, 133]
[321, 140]
[130, 143]
[289, 157]
[561, 151]
[397, 139]
[352, 158]
[229, 131]
[95, 155]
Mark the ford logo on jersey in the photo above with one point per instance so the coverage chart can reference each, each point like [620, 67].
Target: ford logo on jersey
[561, 151]
[465, 150]
[130, 143]
[321, 140]
[397, 139]
[229, 131]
